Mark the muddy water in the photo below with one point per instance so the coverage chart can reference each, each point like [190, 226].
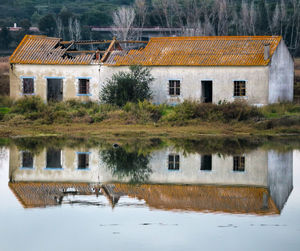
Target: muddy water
[216, 194]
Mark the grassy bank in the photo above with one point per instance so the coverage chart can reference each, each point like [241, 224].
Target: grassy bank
[31, 117]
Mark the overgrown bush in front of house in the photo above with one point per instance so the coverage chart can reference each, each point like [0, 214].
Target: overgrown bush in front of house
[132, 86]
[224, 112]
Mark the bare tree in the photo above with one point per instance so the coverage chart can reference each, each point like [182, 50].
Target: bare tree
[71, 29]
[275, 26]
[245, 18]
[77, 30]
[59, 28]
[141, 10]
[163, 9]
[122, 23]
[253, 17]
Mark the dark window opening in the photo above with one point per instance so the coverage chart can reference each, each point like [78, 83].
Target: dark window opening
[27, 160]
[174, 87]
[83, 160]
[206, 163]
[28, 86]
[239, 88]
[83, 87]
[238, 163]
[173, 162]
[53, 158]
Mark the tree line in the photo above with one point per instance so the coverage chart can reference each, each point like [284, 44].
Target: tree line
[73, 19]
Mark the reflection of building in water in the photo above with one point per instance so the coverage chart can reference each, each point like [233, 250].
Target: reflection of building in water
[258, 182]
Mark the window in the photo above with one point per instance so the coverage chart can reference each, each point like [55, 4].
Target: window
[83, 87]
[83, 160]
[174, 162]
[27, 160]
[53, 158]
[28, 86]
[206, 163]
[174, 87]
[239, 88]
[238, 163]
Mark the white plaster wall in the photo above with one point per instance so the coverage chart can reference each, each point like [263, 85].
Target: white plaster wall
[262, 168]
[191, 76]
[69, 73]
[280, 176]
[68, 173]
[256, 170]
[281, 83]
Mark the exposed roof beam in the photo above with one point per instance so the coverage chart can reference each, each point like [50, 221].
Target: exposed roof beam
[85, 51]
[101, 42]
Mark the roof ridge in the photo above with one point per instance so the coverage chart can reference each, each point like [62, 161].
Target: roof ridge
[216, 37]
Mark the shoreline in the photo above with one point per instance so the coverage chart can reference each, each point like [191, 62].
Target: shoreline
[105, 130]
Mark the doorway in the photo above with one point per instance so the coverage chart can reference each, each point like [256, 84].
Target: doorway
[54, 89]
[207, 91]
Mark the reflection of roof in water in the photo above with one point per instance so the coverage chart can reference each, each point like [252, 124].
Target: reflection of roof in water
[36, 194]
[229, 199]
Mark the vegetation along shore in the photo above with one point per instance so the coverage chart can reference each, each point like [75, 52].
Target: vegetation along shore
[30, 116]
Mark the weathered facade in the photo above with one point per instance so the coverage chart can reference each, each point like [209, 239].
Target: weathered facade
[257, 69]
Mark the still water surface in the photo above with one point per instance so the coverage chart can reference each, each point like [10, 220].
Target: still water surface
[156, 195]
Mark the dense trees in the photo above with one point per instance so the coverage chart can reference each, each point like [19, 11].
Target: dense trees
[193, 17]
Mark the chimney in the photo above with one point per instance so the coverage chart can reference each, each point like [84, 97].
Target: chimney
[266, 51]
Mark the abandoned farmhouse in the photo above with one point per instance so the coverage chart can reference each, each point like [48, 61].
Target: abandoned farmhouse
[258, 69]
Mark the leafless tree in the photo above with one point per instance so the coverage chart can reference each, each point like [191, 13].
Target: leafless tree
[221, 17]
[71, 29]
[59, 28]
[253, 17]
[245, 18]
[275, 25]
[77, 30]
[122, 23]
[141, 10]
[163, 9]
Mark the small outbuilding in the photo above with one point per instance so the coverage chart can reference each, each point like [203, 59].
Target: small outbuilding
[258, 69]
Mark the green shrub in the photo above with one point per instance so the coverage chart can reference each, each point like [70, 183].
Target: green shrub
[144, 111]
[126, 87]
[5, 101]
[280, 109]
[225, 112]
[28, 105]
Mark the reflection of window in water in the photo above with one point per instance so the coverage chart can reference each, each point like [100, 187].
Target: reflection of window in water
[238, 163]
[206, 162]
[27, 160]
[174, 162]
[53, 158]
[83, 160]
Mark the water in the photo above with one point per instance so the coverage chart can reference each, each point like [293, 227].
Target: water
[216, 194]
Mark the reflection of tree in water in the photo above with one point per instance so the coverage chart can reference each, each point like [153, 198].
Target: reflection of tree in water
[124, 164]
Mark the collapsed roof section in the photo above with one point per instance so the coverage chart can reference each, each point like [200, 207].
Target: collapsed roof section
[49, 50]
[163, 51]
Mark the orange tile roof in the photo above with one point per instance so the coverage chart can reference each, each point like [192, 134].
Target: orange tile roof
[37, 194]
[203, 198]
[199, 51]
[197, 198]
[45, 50]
